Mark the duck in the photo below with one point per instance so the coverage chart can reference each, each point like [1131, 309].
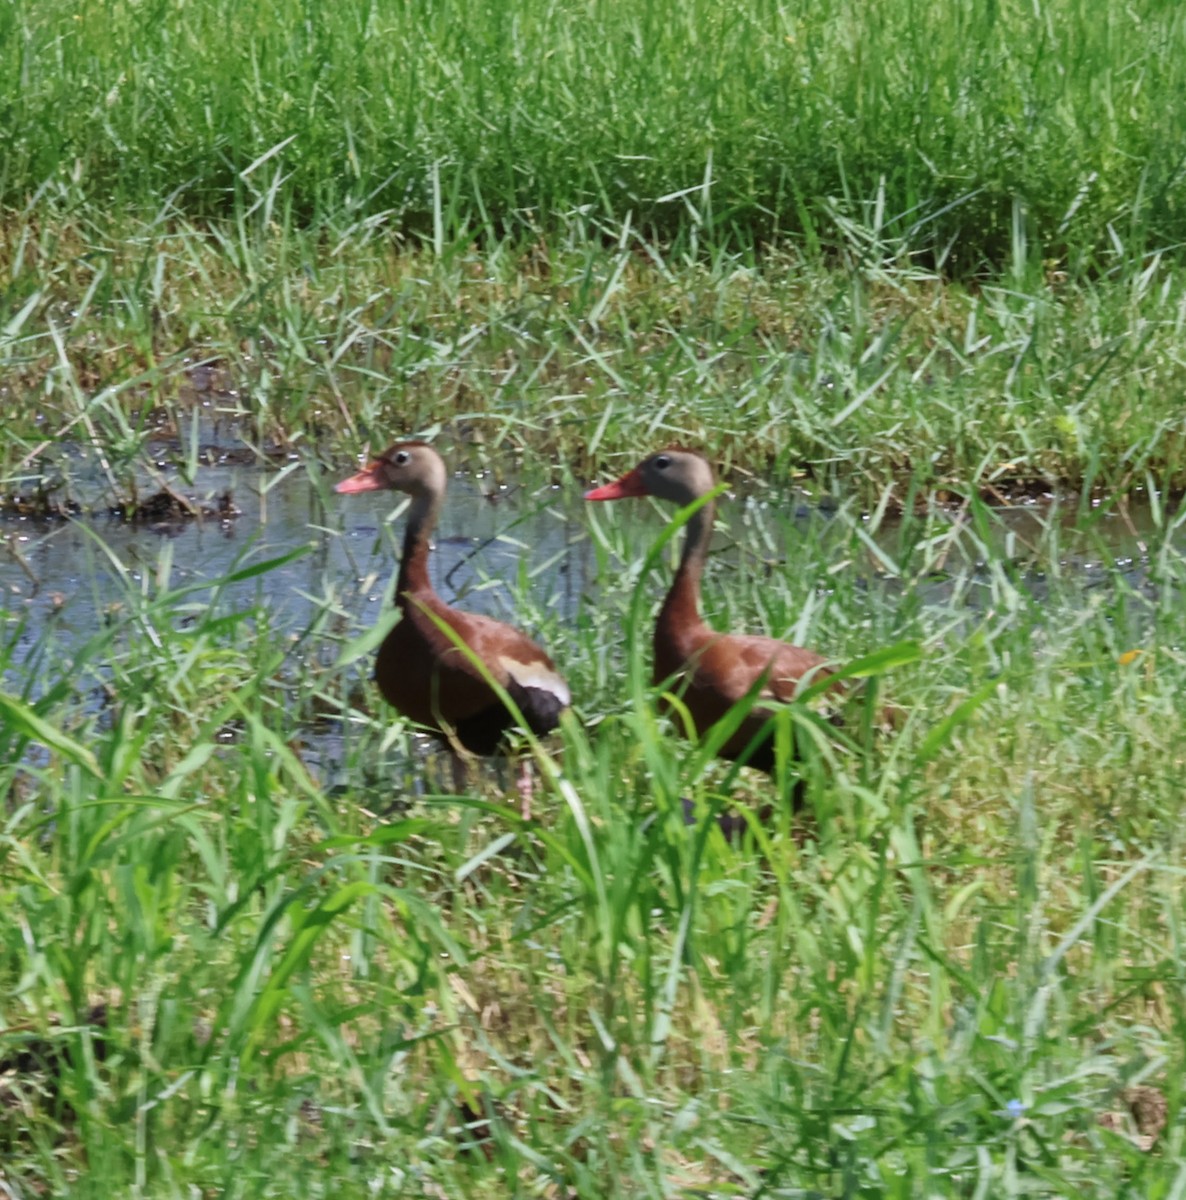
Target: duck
[712, 671]
[420, 669]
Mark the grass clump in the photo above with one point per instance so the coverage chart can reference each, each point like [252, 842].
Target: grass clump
[901, 248]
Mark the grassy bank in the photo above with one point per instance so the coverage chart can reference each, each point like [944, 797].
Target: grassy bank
[224, 972]
[916, 246]
[748, 122]
[859, 375]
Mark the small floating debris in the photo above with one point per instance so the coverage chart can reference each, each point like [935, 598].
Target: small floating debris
[165, 506]
[169, 507]
[41, 504]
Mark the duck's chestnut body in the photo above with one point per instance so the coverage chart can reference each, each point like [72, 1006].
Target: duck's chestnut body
[420, 669]
[711, 671]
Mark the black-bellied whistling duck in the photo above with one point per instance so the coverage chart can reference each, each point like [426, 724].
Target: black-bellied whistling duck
[419, 669]
[711, 671]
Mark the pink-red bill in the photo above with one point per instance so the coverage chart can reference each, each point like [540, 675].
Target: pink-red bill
[630, 484]
[365, 481]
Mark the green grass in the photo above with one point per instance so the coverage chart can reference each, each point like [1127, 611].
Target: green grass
[305, 999]
[864, 378]
[745, 122]
[906, 248]
[890, 252]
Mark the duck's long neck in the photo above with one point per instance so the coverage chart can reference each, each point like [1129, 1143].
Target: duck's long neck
[413, 563]
[681, 609]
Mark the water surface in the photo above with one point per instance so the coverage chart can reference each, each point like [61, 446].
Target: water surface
[69, 572]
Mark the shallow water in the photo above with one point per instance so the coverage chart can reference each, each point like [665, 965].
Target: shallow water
[70, 571]
[58, 578]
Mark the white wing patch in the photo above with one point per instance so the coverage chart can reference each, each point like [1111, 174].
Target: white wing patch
[536, 675]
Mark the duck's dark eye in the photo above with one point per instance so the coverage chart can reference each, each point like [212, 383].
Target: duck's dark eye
[662, 462]
[401, 458]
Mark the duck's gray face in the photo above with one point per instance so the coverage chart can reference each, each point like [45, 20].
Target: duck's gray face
[411, 467]
[677, 475]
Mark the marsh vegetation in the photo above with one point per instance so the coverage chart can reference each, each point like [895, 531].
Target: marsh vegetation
[896, 268]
